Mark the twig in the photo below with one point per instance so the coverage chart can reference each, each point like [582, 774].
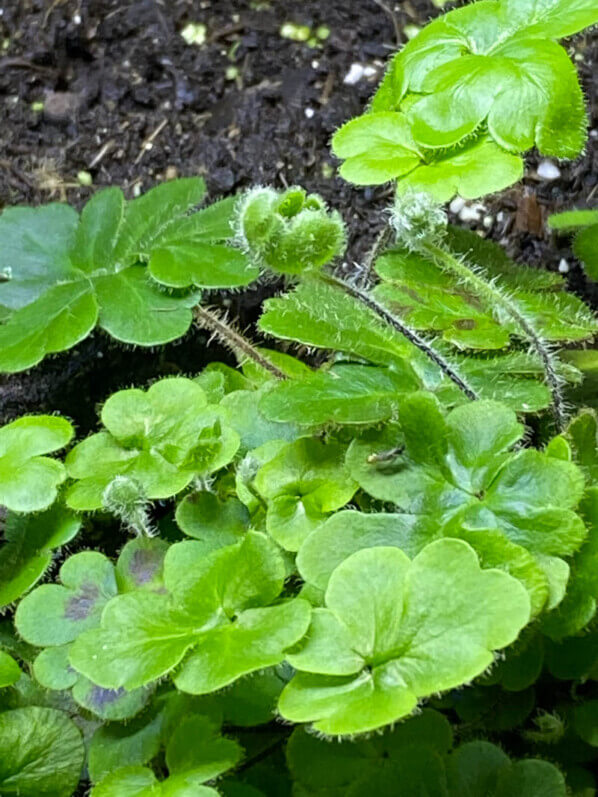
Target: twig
[148, 141]
[395, 22]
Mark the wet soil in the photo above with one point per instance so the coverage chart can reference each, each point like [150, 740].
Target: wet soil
[128, 101]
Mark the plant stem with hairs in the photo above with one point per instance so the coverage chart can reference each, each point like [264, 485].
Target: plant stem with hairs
[242, 348]
[413, 337]
[497, 297]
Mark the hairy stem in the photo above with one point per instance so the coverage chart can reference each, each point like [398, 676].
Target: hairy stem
[487, 290]
[412, 336]
[383, 238]
[234, 340]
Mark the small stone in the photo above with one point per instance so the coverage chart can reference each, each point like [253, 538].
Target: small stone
[488, 222]
[472, 212]
[548, 170]
[61, 106]
[309, 112]
[354, 75]
[457, 204]
[171, 173]
[564, 266]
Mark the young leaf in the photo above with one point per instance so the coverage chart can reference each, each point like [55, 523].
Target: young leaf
[379, 646]
[470, 170]
[219, 607]
[160, 439]
[376, 148]
[218, 523]
[289, 232]
[28, 479]
[499, 64]
[304, 482]
[27, 553]
[43, 753]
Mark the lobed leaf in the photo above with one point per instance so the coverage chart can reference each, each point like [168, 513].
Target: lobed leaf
[376, 648]
[67, 276]
[304, 482]
[29, 480]
[160, 439]
[218, 606]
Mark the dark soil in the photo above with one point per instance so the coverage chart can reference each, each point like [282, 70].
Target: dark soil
[127, 100]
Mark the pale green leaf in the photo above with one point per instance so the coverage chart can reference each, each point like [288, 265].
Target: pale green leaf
[409, 647]
[304, 482]
[29, 480]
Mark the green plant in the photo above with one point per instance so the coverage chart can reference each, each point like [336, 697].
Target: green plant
[65, 274]
[471, 92]
[393, 542]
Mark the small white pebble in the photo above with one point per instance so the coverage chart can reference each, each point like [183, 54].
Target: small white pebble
[501, 216]
[457, 204]
[309, 112]
[354, 75]
[77, 19]
[548, 170]
[472, 212]
[370, 71]
[593, 133]
[488, 222]
[564, 266]
[315, 64]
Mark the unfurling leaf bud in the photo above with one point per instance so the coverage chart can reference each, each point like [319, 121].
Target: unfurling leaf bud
[289, 232]
[418, 219]
[124, 497]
